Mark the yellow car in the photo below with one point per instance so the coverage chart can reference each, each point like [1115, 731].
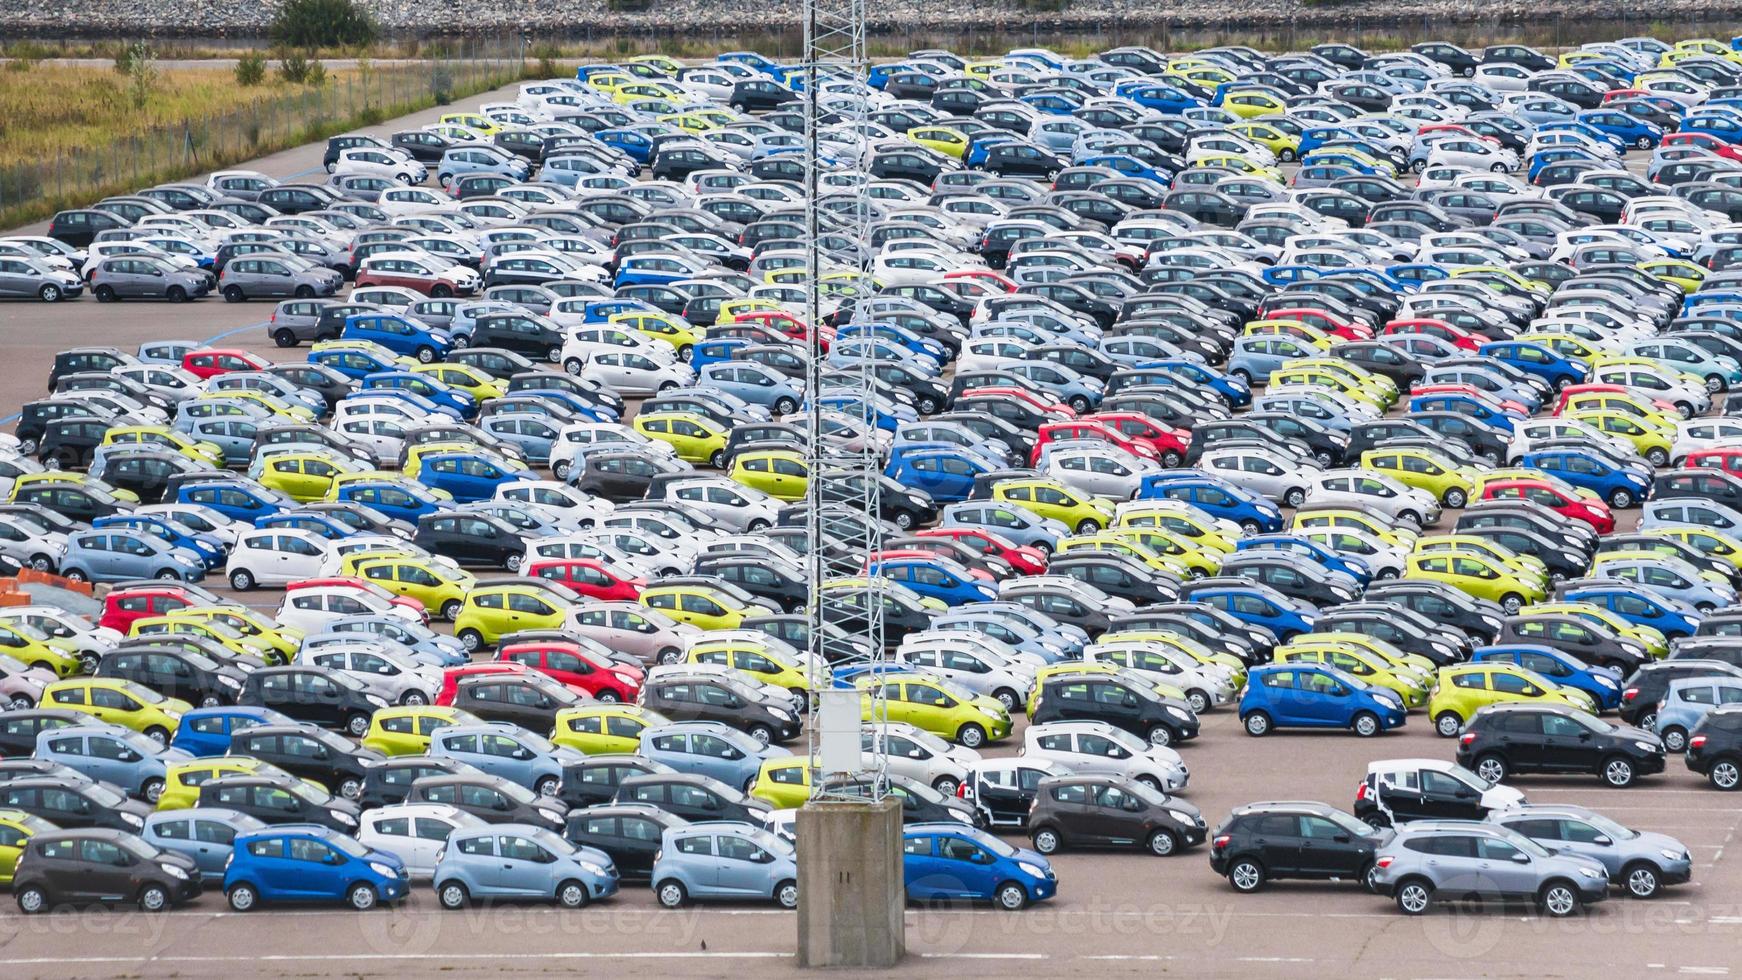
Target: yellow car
[1240, 165]
[1052, 499]
[780, 473]
[1105, 543]
[182, 780]
[603, 729]
[305, 476]
[1648, 440]
[1174, 548]
[640, 94]
[696, 439]
[1324, 379]
[1376, 384]
[437, 583]
[1386, 653]
[1423, 469]
[1408, 686]
[281, 642]
[208, 629]
[34, 648]
[1184, 644]
[1529, 565]
[24, 481]
[16, 830]
[167, 438]
[1303, 336]
[689, 122]
[272, 403]
[1250, 104]
[784, 781]
[764, 665]
[1651, 638]
[670, 330]
[1205, 77]
[1277, 140]
[1478, 575]
[119, 702]
[938, 706]
[700, 606]
[1462, 689]
[1679, 272]
[493, 611]
[608, 82]
[464, 377]
[664, 63]
[473, 121]
[1184, 520]
[732, 309]
[950, 142]
[405, 729]
[1337, 517]
[1708, 540]
[1638, 406]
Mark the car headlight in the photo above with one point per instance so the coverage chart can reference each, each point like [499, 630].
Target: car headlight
[593, 869]
[1592, 873]
[988, 712]
[1179, 713]
[345, 818]
[1182, 816]
[1606, 682]
[376, 701]
[554, 815]
[173, 871]
[780, 713]
[1031, 870]
[1669, 855]
[133, 819]
[1646, 746]
[230, 682]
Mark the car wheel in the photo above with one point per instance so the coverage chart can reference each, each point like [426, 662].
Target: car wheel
[167, 575]
[1366, 724]
[21, 702]
[1512, 602]
[1448, 724]
[1418, 165]
[452, 895]
[947, 785]
[441, 290]
[472, 640]
[152, 790]
[1642, 880]
[1647, 721]
[1046, 840]
[971, 736]
[1675, 738]
[1498, 168]
[718, 459]
[361, 896]
[158, 734]
[1250, 527]
[1257, 724]
[904, 520]
[786, 894]
[241, 580]
[1324, 459]
[32, 900]
[284, 338]
[176, 294]
[561, 470]
[671, 894]
[547, 786]
[686, 352]
[305, 291]
[1199, 701]
[414, 698]
[49, 293]
[1170, 459]
[1246, 875]
[1007, 698]
[42, 563]
[927, 406]
[1643, 142]
[210, 701]
[1414, 896]
[451, 609]
[1163, 844]
[357, 725]
[670, 655]
[1012, 897]
[607, 697]
[105, 294]
[761, 733]
[1726, 774]
[1492, 768]
[1714, 383]
[243, 897]
[513, 562]
[1087, 526]
[233, 294]
[571, 895]
[1620, 499]
[1618, 772]
[426, 355]
[785, 406]
[1656, 457]
[573, 365]
[1454, 498]
[1559, 899]
[1160, 735]
[1294, 497]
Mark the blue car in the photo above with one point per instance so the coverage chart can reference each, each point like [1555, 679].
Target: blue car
[520, 861]
[901, 335]
[400, 499]
[524, 758]
[717, 351]
[327, 527]
[480, 158]
[709, 748]
[1254, 604]
[937, 578]
[467, 476]
[1308, 695]
[1130, 166]
[534, 437]
[399, 334]
[448, 400]
[634, 143]
[1332, 561]
[134, 762]
[1234, 391]
[724, 859]
[1629, 129]
[1603, 684]
[306, 863]
[1151, 95]
[757, 384]
[238, 498]
[567, 401]
[1417, 273]
[207, 731]
[1639, 606]
[353, 363]
[1537, 360]
[1255, 357]
[1214, 496]
[1621, 486]
[946, 472]
[200, 834]
[208, 547]
[1462, 405]
[952, 862]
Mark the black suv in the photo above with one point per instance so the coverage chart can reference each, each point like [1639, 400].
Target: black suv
[108, 866]
[1715, 747]
[1261, 842]
[279, 798]
[1097, 697]
[317, 695]
[1110, 811]
[311, 753]
[692, 797]
[1503, 739]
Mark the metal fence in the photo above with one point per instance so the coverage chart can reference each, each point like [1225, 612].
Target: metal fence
[351, 97]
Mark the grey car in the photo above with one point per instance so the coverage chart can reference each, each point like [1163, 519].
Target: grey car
[272, 275]
[1639, 861]
[1687, 701]
[296, 321]
[1458, 860]
[520, 862]
[143, 277]
[203, 833]
[24, 276]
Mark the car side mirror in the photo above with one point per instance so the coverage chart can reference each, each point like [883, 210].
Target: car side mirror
[1519, 857]
[1133, 806]
[522, 754]
[1465, 793]
[500, 805]
[128, 756]
[710, 804]
[1602, 840]
[1130, 701]
[333, 858]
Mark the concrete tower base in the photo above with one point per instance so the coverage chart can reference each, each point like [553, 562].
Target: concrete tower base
[850, 892]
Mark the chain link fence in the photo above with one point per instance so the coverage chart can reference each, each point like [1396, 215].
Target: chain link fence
[350, 98]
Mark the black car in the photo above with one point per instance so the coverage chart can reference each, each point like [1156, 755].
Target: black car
[67, 443]
[1263, 842]
[1715, 747]
[198, 680]
[1098, 697]
[316, 695]
[1403, 628]
[630, 834]
[699, 696]
[101, 867]
[919, 803]
[593, 780]
[1110, 811]
[618, 475]
[80, 227]
[1479, 620]
[691, 797]
[72, 803]
[422, 145]
[1591, 642]
[1503, 739]
[529, 700]
[1117, 575]
[1645, 687]
[310, 752]
[492, 799]
[761, 577]
[387, 781]
[470, 539]
[517, 333]
[756, 94]
[275, 798]
[143, 472]
[19, 727]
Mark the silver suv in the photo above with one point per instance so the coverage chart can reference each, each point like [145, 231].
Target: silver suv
[1462, 860]
[1638, 860]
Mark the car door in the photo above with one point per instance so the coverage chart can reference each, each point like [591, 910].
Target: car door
[1328, 849]
[522, 865]
[1566, 745]
[743, 867]
[702, 865]
[1445, 797]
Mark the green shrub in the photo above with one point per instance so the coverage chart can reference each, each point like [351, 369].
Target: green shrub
[441, 84]
[141, 74]
[323, 23]
[317, 73]
[251, 69]
[293, 67]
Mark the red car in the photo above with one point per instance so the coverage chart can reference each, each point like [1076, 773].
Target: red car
[348, 582]
[1170, 444]
[1039, 403]
[1727, 459]
[209, 362]
[577, 667]
[1024, 559]
[787, 325]
[420, 273]
[1325, 320]
[1705, 141]
[122, 606]
[1084, 429]
[995, 283]
[1435, 328]
[588, 576]
[1561, 501]
[1507, 405]
[453, 675]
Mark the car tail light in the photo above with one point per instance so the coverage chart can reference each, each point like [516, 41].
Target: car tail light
[1467, 738]
[1697, 742]
[1360, 792]
[1221, 841]
[1384, 862]
[961, 791]
[1630, 694]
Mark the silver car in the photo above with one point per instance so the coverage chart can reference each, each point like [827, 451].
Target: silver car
[1456, 860]
[1685, 703]
[1376, 492]
[24, 276]
[274, 275]
[1639, 861]
[144, 277]
[1263, 471]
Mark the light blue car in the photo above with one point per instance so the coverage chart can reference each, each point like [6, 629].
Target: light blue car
[1686, 703]
[234, 434]
[508, 751]
[530, 434]
[1080, 392]
[423, 642]
[724, 859]
[202, 833]
[270, 384]
[1254, 358]
[111, 754]
[522, 862]
[755, 383]
[120, 555]
[1689, 510]
[708, 748]
[1015, 524]
[474, 158]
[1672, 578]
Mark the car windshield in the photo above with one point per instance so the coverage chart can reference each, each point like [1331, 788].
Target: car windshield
[1527, 845]
[310, 792]
[1469, 779]
[514, 792]
[995, 845]
[1144, 792]
[537, 743]
[144, 693]
[1126, 740]
[138, 848]
[1592, 722]
[347, 845]
[1610, 827]
[103, 796]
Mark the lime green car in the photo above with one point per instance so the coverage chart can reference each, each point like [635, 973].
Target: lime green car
[938, 706]
[1478, 575]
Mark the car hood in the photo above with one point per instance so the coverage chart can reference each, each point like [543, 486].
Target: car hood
[1501, 798]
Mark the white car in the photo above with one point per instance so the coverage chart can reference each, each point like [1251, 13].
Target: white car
[275, 556]
[1096, 468]
[381, 435]
[1371, 490]
[638, 372]
[919, 755]
[731, 505]
[314, 608]
[961, 658]
[578, 438]
[31, 544]
[567, 501]
[416, 833]
[1503, 77]
[1472, 153]
[399, 202]
[375, 162]
[1262, 471]
[587, 545]
[399, 679]
[1203, 687]
[1097, 747]
[1693, 435]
